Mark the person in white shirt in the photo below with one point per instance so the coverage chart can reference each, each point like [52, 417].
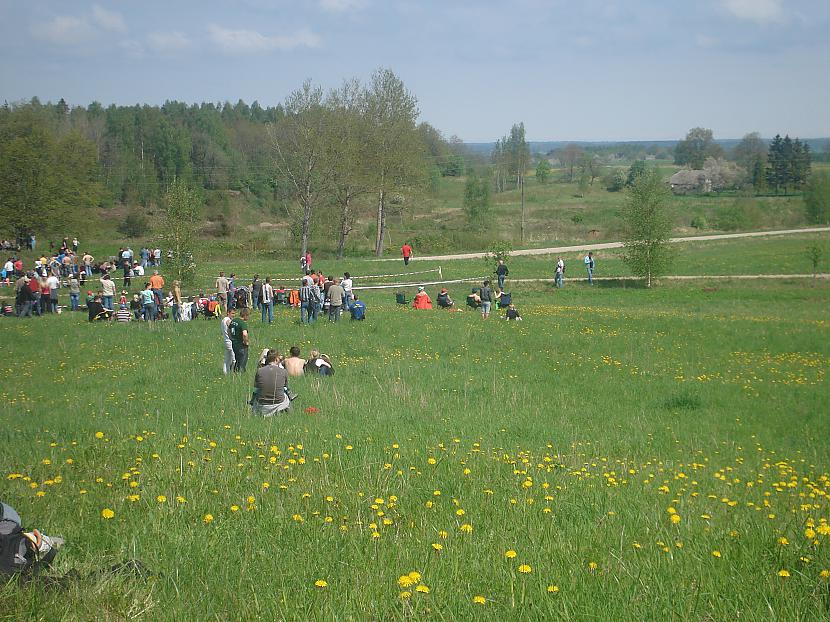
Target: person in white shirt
[138, 269]
[54, 283]
[230, 359]
[266, 300]
[346, 284]
[560, 273]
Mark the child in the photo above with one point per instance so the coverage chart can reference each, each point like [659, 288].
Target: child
[513, 313]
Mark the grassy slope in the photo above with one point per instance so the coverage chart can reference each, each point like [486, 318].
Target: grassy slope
[565, 438]
[555, 214]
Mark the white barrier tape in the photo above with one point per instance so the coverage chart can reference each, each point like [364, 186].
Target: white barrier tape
[380, 276]
[402, 285]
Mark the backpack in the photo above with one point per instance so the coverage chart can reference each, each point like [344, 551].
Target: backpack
[15, 554]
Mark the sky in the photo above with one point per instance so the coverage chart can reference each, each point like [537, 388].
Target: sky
[568, 69]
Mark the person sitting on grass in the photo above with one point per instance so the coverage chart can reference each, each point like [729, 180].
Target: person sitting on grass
[444, 301]
[421, 300]
[473, 299]
[23, 553]
[97, 311]
[357, 308]
[319, 364]
[270, 386]
[513, 313]
[294, 364]
[123, 314]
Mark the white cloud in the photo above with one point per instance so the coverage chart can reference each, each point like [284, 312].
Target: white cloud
[108, 20]
[342, 5]
[64, 30]
[760, 11]
[133, 48]
[168, 41]
[240, 41]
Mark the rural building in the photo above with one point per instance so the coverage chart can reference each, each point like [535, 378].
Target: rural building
[690, 181]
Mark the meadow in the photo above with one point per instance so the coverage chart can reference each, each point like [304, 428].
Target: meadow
[622, 453]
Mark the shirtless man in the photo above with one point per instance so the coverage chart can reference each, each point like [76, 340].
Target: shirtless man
[294, 364]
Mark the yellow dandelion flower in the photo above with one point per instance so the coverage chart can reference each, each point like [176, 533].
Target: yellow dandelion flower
[234, 508]
[207, 519]
[592, 566]
[466, 528]
[783, 573]
[437, 546]
[809, 533]
[405, 580]
[675, 518]
[405, 595]
[99, 435]
[510, 554]
[553, 589]
[415, 576]
[783, 541]
[824, 574]
[716, 554]
[107, 513]
[423, 589]
[320, 583]
[479, 600]
[525, 569]
[161, 498]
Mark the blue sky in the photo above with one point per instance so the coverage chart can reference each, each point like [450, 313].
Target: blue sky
[570, 69]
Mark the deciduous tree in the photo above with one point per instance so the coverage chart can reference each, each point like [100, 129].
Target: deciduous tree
[647, 227]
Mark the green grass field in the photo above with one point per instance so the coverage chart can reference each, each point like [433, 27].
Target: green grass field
[621, 454]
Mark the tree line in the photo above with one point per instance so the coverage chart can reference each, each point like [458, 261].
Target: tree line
[316, 154]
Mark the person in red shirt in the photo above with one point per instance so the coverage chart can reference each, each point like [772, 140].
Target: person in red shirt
[421, 300]
[406, 251]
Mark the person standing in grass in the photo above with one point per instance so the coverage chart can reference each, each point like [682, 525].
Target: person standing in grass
[589, 266]
[157, 285]
[148, 303]
[335, 295]
[256, 292]
[74, 292]
[486, 295]
[406, 251]
[108, 289]
[177, 301]
[501, 273]
[224, 325]
[267, 300]
[560, 273]
[222, 285]
[238, 332]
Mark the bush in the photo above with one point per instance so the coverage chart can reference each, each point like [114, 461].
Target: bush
[741, 215]
[817, 199]
[135, 225]
[699, 222]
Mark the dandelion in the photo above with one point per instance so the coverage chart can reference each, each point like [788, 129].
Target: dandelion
[321, 583]
[510, 554]
[405, 595]
[553, 589]
[99, 435]
[525, 569]
[423, 589]
[107, 513]
[716, 554]
[207, 519]
[675, 518]
[234, 508]
[824, 574]
[405, 580]
[592, 566]
[783, 573]
[161, 498]
[437, 546]
[479, 600]
[466, 528]
[783, 541]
